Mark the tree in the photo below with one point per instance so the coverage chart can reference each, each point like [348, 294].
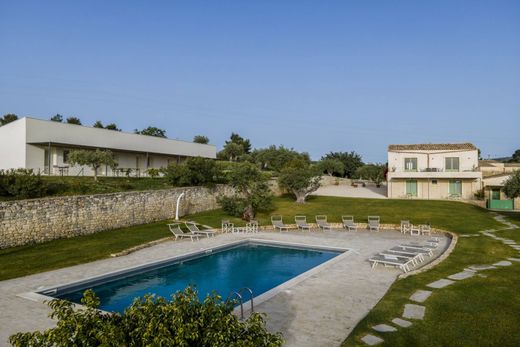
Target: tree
[152, 131]
[515, 158]
[252, 192]
[152, 321]
[98, 124]
[300, 179]
[231, 151]
[57, 118]
[94, 159]
[512, 185]
[8, 118]
[351, 161]
[112, 126]
[239, 140]
[74, 120]
[201, 139]
[331, 166]
[274, 158]
[195, 171]
[373, 172]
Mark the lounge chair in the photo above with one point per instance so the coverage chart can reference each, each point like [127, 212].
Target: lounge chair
[391, 260]
[228, 227]
[277, 222]
[428, 251]
[405, 225]
[425, 229]
[194, 229]
[301, 223]
[415, 257]
[402, 250]
[348, 223]
[415, 230]
[178, 233]
[373, 223]
[321, 221]
[252, 226]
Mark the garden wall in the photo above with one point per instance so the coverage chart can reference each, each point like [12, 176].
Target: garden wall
[38, 220]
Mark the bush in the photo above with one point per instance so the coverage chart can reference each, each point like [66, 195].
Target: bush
[193, 172]
[22, 184]
[151, 321]
[153, 172]
[233, 205]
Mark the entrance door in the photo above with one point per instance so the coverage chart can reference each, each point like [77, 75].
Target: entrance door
[495, 194]
[411, 188]
[455, 188]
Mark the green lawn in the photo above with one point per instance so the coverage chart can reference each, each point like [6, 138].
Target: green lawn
[477, 311]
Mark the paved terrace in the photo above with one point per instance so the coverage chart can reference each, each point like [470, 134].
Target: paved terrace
[320, 310]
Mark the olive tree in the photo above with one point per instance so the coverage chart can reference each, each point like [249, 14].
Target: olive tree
[8, 118]
[94, 159]
[300, 179]
[512, 185]
[201, 139]
[332, 166]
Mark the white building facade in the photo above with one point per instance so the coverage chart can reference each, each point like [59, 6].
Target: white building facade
[43, 146]
[433, 171]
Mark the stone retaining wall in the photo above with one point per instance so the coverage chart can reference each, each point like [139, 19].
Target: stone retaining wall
[25, 222]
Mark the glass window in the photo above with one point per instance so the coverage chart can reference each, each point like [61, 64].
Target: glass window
[66, 156]
[411, 187]
[455, 188]
[410, 164]
[452, 164]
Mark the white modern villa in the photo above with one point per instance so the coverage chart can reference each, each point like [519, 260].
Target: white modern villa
[433, 171]
[44, 146]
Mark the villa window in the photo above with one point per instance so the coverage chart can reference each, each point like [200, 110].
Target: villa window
[452, 164]
[66, 156]
[411, 188]
[410, 164]
[455, 188]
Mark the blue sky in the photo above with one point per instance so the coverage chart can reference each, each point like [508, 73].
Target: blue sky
[318, 76]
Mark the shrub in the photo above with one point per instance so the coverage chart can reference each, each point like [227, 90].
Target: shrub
[153, 172]
[193, 172]
[512, 185]
[152, 321]
[22, 184]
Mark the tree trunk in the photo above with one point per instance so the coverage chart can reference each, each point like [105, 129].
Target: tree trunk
[300, 197]
[249, 213]
[95, 173]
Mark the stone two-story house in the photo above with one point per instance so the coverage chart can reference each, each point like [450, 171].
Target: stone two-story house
[433, 171]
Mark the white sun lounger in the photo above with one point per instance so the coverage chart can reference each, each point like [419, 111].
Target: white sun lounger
[277, 222]
[194, 229]
[414, 257]
[321, 221]
[178, 233]
[401, 250]
[301, 223]
[416, 247]
[390, 260]
[348, 223]
[373, 223]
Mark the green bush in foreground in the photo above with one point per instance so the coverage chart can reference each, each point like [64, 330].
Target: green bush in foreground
[22, 184]
[151, 321]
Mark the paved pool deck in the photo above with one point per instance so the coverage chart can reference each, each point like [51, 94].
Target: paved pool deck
[319, 310]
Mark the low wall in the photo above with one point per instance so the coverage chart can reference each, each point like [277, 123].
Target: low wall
[25, 222]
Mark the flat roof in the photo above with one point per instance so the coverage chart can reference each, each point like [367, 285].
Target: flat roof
[434, 147]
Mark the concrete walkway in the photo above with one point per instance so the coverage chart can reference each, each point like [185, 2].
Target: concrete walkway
[321, 310]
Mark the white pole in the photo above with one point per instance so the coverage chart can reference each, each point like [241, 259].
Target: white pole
[177, 208]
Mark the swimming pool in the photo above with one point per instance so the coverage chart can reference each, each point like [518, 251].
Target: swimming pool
[257, 265]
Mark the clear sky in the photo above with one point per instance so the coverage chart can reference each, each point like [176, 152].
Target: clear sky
[318, 76]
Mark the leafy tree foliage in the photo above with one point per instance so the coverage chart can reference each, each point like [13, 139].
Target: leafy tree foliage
[239, 140]
[94, 159]
[152, 321]
[195, 171]
[300, 179]
[232, 152]
[512, 185]
[332, 166]
[74, 120]
[112, 126]
[201, 139]
[515, 158]
[252, 192]
[152, 131]
[98, 124]
[57, 118]
[274, 158]
[8, 118]
[351, 161]
[153, 172]
[22, 184]
[373, 172]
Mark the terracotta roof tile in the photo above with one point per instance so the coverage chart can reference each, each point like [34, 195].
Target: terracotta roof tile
[433, 147]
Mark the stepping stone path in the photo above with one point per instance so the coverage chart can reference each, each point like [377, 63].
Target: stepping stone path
[469, 235]
[401, 322]
[384, 328]
[371, 340]
[481, 267]
[462, 275]
[420, 295]
[413, 311]
[514, 259]
[503, 263]
[440, 283]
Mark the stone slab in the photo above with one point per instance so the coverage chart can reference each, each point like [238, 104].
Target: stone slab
[384, 328]
[503, 263]
[371, 340]
[420, 295]
[514, 259]
[401, 322]
[482, 267]
[413, 311]
[440, 283]
[462, 275]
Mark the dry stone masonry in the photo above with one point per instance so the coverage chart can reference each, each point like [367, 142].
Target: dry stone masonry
[38, 220]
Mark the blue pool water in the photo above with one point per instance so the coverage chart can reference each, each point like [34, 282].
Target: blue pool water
[259, 267]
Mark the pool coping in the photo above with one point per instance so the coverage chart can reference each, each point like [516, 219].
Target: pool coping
[39, 295]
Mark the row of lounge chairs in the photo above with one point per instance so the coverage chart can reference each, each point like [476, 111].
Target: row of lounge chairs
[194, 231]
[323, 224]
[405, 256]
